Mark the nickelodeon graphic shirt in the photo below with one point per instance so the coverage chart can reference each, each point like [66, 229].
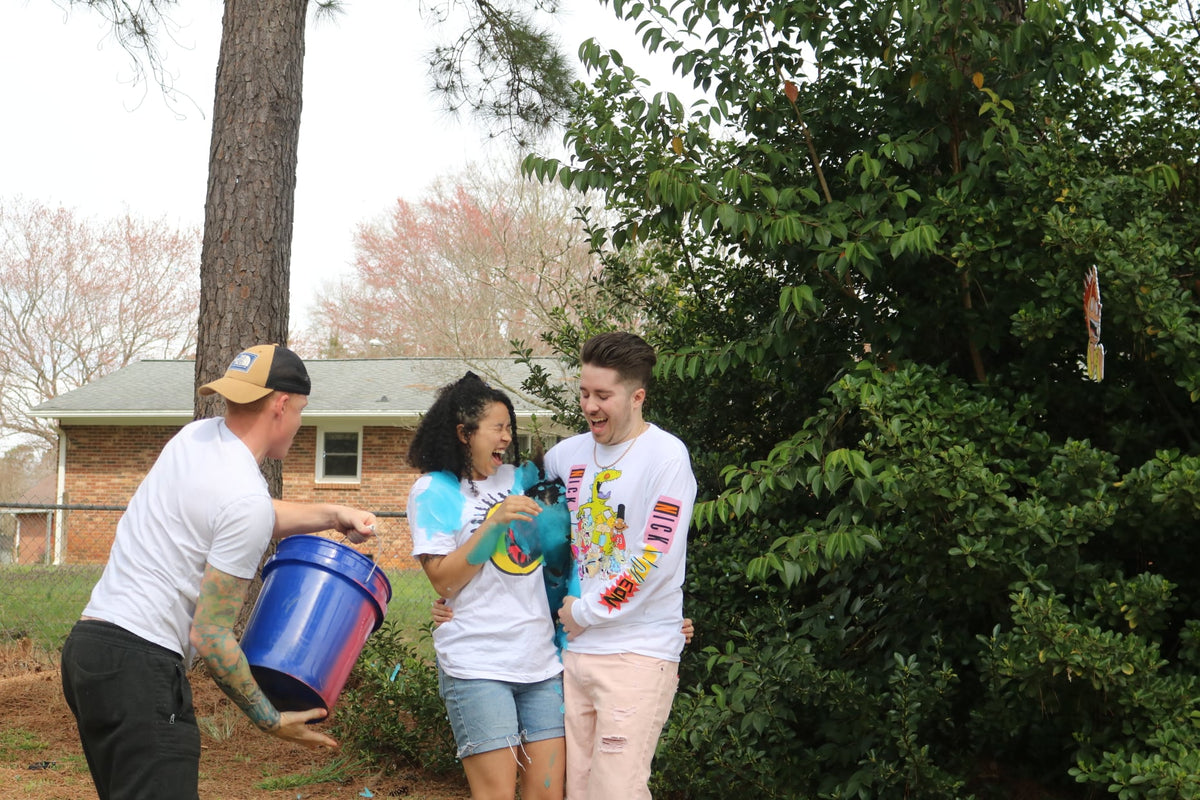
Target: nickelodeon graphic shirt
[629, 526]
[502, 628]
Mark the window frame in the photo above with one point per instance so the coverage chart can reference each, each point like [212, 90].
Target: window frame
[319, 475]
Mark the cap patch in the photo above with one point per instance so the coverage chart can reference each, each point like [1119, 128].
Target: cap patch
[243, 362]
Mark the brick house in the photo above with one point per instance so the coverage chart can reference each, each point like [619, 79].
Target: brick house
[351, 448]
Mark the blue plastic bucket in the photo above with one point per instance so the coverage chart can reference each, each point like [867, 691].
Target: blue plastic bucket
[319, 602]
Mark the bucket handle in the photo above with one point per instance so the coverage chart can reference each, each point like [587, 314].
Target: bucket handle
[374, 563]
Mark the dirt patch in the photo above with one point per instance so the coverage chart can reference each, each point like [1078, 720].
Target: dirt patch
[40, 756]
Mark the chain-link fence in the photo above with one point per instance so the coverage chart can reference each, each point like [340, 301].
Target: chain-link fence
[51, 555]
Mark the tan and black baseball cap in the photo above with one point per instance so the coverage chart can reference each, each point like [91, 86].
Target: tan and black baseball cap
[258, 371]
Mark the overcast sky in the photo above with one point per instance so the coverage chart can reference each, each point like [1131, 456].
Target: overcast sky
[78, 132]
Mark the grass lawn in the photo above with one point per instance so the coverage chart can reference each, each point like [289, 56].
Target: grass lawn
[412, 595]
[42, 602]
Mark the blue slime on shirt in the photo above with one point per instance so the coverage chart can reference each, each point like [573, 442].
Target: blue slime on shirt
[441, 505]
[550, 533]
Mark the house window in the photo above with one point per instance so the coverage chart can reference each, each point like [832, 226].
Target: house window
[339, 456]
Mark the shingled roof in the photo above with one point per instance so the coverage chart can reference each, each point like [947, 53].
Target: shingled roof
[397, 390]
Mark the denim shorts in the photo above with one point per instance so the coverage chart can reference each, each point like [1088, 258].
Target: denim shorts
[489, 715]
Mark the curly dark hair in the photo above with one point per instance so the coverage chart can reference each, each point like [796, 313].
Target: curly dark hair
[436, 447]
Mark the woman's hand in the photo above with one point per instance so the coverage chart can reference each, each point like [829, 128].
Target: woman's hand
[514, 508]
[442, 613]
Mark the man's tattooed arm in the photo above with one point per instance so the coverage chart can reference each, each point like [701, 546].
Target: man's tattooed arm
[221, 598]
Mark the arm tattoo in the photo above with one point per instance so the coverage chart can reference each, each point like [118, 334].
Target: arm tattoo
[428, 560]
[220, 600]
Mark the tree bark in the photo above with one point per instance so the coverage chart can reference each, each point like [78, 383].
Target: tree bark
[245, 262]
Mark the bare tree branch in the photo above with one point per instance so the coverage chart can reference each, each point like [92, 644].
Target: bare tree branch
[80, 298]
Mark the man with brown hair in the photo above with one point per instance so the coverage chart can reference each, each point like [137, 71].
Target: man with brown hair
[630, 491]
[182, 559]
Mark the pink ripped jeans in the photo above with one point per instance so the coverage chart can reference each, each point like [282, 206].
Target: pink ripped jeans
[616, 706]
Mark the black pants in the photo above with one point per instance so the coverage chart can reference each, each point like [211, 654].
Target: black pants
[133, 703]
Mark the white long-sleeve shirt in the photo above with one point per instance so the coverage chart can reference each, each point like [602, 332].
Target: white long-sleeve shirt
[629, 526]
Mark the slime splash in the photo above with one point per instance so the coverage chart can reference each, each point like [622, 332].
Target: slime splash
[550, 534]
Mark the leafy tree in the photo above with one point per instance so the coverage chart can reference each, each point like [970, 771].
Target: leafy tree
[936, 559]
[480, 261]
[246, 257]
[504, 68]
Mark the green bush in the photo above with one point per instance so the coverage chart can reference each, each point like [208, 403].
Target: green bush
[958, 620]
[933, 556]
[390, 710]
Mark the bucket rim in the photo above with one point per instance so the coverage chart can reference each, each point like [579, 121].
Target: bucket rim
[362, 570]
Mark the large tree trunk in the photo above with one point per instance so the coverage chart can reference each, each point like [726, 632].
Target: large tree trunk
[245, 263]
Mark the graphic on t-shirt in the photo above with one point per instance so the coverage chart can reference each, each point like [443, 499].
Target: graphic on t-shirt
[598, 543]
[659, 535]
[514, 554]
[441, 508]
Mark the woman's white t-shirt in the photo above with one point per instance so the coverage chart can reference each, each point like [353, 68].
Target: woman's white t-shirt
[502, 629]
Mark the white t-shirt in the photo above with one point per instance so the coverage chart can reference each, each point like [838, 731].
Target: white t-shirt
[502, 629]
[629, 539]
[203, 502]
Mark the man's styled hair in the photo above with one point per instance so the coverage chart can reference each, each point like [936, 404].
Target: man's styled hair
[627, 353]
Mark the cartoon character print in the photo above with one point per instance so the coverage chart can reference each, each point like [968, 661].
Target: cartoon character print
[514, 555]
[598, 543]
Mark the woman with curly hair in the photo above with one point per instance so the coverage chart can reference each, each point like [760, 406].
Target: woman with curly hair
[498, 668]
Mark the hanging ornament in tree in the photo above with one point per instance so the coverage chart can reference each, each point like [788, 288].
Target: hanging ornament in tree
[1091, 314]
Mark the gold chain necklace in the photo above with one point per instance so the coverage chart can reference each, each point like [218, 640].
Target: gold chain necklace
[596, 448]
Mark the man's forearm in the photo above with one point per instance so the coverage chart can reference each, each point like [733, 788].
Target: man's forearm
[229, 670]
[293, 518]
[217, 607]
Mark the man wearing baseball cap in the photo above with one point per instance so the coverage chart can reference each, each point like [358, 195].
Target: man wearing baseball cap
[256, 372]
[185, 550]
